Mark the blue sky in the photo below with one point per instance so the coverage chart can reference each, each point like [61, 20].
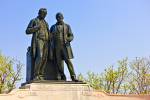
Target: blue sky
[105, 30]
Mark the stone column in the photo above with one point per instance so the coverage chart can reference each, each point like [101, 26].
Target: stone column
[28, 64]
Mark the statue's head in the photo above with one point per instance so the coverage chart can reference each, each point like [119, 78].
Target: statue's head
[59, 17]
[42, 13]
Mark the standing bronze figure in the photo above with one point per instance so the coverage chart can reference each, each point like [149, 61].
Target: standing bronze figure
[39, 29]
[61, 38]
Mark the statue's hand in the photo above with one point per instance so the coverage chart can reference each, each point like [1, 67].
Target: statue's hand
[36, 28]
[68, 39]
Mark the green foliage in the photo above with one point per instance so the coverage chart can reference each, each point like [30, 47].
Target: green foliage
[94, 80]
[140, 76]
[80, 77]
[8, 76]
[127, 78]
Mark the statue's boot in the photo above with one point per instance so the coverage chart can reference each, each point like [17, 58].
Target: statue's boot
[63, 77]
[41, 77]
[73, 77]
[36, 78]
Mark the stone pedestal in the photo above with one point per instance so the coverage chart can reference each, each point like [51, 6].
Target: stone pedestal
[56, 91]
[51, 90]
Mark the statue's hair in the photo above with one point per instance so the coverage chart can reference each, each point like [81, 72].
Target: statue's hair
[42, 10]
[59, 13]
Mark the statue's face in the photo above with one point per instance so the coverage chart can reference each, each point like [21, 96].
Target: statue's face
[60, 18]
[42, 14]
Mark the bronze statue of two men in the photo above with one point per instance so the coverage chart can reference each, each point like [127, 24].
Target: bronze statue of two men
[50, 45]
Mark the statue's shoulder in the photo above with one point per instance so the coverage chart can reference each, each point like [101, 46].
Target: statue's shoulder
[46, 23]
[67, 25]
[53, 25]
[52, 28]
[34, 20]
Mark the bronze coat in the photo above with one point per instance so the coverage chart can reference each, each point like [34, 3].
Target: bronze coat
[68, 37]
[30, 30]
